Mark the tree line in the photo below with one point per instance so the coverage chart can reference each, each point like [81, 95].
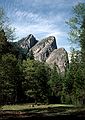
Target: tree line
[23, 79]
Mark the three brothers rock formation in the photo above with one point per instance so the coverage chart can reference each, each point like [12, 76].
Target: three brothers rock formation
[46, 50]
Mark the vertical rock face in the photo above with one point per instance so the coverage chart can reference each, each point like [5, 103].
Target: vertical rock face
[27, 42]
[59, 57]
[44, 48]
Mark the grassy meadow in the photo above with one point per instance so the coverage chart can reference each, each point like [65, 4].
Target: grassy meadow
[32, 111]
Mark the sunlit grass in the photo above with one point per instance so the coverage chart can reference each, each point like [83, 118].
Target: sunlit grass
[32, 106]
[29, 110]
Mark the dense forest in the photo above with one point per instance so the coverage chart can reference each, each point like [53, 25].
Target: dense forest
[23, 79]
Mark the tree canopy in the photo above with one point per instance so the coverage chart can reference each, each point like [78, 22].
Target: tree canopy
[5, 25]
[75, 22]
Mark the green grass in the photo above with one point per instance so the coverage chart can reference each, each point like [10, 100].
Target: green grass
[32, 106]
[51, 110]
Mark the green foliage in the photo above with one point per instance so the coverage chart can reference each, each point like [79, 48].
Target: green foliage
[82, 40]
[9, 69]
[77, 27]
[74, 80]
[5, 25]
[2, 18]
[5, 46]
[75, 76]
[3, 42]
[55, 82]
[30, 55]
[7, 77]
[75, 23]
[36, 78]
[10, 79]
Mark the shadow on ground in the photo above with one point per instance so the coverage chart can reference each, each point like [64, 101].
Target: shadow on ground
[49, 113]
[10, 115]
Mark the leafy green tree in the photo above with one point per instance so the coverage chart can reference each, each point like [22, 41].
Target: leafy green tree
[7, 78]
[7, 47]
[76, 21]
[82, 41]
[10, 65]
[36, 78]
[74, 80]
[10, 79]
[55, 82]
[3, 42]
[5, 25]
[77, 27]
[6, 35]
[30, 55]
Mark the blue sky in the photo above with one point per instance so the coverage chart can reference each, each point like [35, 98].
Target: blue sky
[41, 18]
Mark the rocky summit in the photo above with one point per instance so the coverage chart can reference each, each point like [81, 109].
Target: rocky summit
[43, 48]
[27, 42]
[46, 50]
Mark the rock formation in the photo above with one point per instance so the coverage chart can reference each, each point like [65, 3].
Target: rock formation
[45, 51]
[44, 48]
[58, 57]
[27, 42]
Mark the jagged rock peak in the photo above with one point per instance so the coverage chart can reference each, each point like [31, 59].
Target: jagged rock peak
[43, 48]
[48, 40]
[27, 42]
[59, 57]
[42, 43]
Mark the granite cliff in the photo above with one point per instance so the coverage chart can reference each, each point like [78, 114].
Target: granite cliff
[43, 48]
[27, 42]
[59, 58]
[46, 50]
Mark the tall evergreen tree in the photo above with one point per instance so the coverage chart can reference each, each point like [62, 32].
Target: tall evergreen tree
[75, 75]
[5, 25]
[55, 82]
[36, 78]
[74, 80]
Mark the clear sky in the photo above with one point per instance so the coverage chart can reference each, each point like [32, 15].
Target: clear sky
[41, 18]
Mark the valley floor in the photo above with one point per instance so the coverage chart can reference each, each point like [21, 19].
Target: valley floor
[44, 112]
